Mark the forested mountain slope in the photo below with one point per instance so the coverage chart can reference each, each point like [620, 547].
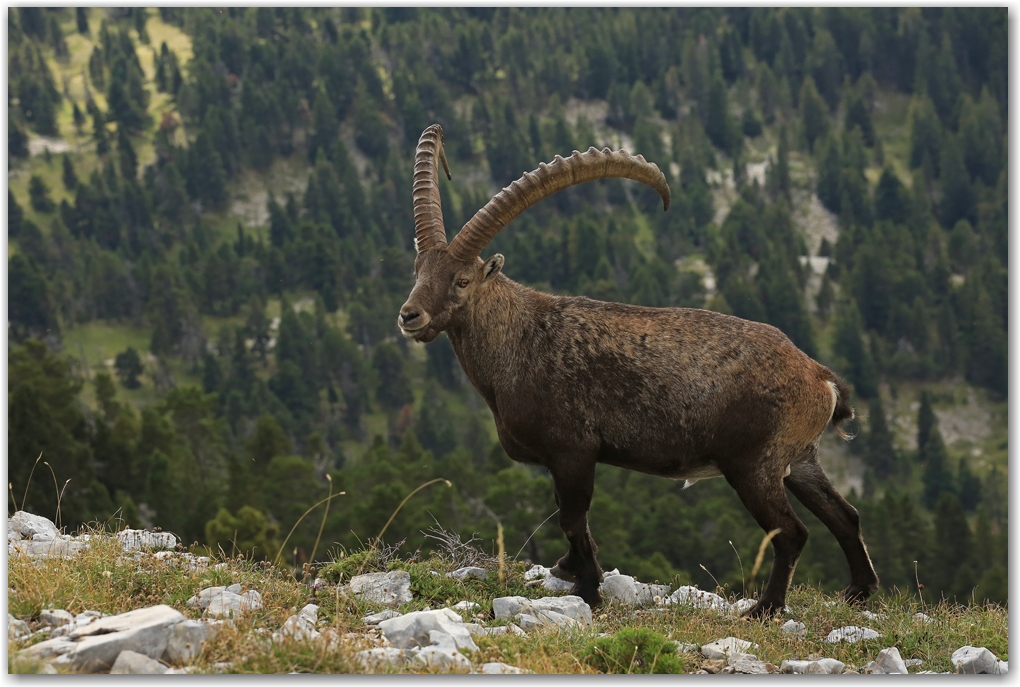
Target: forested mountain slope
[210, 235]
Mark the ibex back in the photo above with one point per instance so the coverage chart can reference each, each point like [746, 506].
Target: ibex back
[681, 393]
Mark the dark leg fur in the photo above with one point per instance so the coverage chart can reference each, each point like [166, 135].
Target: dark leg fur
[763, 495]
[573, 494]
[809, 484]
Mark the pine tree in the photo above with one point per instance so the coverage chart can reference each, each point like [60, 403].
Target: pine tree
[968, 486]
[953, 545]
[830, 174]
[892, 201]
[849, 346]
[879, 452]
[81, 17]
[17, 139]
[925, 133]
[926, 424]
[394, 388]
[129, 365]
[15, 215]
[814, 113]
[126, 152]
[937, 478]
[958, 201]
[39, 195]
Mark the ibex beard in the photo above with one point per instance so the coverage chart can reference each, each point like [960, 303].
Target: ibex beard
[681, 393]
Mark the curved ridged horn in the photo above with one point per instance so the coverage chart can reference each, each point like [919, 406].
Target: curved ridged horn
[547, 180]
[428, 210]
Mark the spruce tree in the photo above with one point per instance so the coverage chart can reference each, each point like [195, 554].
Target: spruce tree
[937, 478]
[81, 18]
[879, 452]
[126, 152]
[849, 346]
[17, 139]
[814, 113]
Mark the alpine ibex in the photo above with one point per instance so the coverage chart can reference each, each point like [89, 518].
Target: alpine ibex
[681, 393]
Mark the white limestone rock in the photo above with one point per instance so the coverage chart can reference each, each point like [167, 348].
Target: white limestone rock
[544, 619]
[16, 629]
[794, 628]
[726, 647]
[571, 606]
[465, 606]
[443, 658]
[55, 617]
[495, 668]
[141, 540]
[698, 598]
[228, 604]
[96, 646]
[888, 662]
[687, 648]
[186, 641]
[417, 628]
[508, 606]
[851, 634]
[133, 663]
[377, 618]
[742, 605]
[555, 584]
[300, 627]
[821, 666]
[748, 664]
[390, 588]
[973, 660]
[378, 660]
[619, 588]
[31, 526]
[468, 573]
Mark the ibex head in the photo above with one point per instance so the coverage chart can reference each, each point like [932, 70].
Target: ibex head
[449, 277]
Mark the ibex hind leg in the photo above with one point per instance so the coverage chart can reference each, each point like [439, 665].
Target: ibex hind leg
[574, 488]
[762, 493]
[809, 484]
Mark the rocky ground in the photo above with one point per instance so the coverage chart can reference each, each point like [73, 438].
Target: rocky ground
[376, 621]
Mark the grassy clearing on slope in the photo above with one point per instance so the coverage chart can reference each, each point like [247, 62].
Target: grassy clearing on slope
[102, 579]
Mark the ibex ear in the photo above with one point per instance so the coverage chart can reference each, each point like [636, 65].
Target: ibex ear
[492, 266]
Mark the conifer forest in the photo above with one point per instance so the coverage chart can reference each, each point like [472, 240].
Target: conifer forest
[210, 234]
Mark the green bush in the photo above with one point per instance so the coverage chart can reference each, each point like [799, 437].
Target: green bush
[634, 650]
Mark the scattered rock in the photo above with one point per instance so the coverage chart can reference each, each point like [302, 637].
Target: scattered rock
[742, 605]
[571, 606]
[186, 640]
[975, 660]
[502, 669]
[133, 663]
[555, 584]
[423, 628]
[687, 648]
[748, 664]
[626, 590]
[874, 616]
[1003, 667]
[888, 662]
[96, 646]
[714, 667]
[228, 604]
[390, 588]
[138, 540]
[372, 660]
[692, 596]
[469, 573]
[821, 666]
[377, 618]
[300, 627]
[722, 649]
[508, 606]
[443, 659]
[795, 628]
[55, 617]
[16, 629]
[923, 617]
[851, 634]
[465, 606]
[543, 619]
[31, 526]
[911, 662]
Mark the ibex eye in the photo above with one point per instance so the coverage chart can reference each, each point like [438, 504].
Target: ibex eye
[462, 283]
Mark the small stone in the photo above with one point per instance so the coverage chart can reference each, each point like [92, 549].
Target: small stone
[713, 666]
[874, 616]
[234, 589]
[508, 606]
[16, 629]
[443, 658]
[377, 618]
[821, 666]
[747, 664]
[465, 606]
[851, 634]
[543, 619]
[502, 669]
[889, 662]
[692, 596]
[468, 573]
[792, 627]
[619, 588]
[390, 588]
[974, 660]
[912, 662]
[687, 648]
[923, 617]
[1003, 667]
[422, 628]
[137, 540]
[132, 663]
[372, 660]
[185, 641]
[722, 649]
[555, 584]
[31, 526]
[56, 617]
[536, 572]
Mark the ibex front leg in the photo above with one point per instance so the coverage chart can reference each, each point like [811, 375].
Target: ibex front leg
[574, 485]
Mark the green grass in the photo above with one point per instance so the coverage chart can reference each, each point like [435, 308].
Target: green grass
[102, 579]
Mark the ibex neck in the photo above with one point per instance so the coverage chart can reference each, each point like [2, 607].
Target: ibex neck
[488, 340]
